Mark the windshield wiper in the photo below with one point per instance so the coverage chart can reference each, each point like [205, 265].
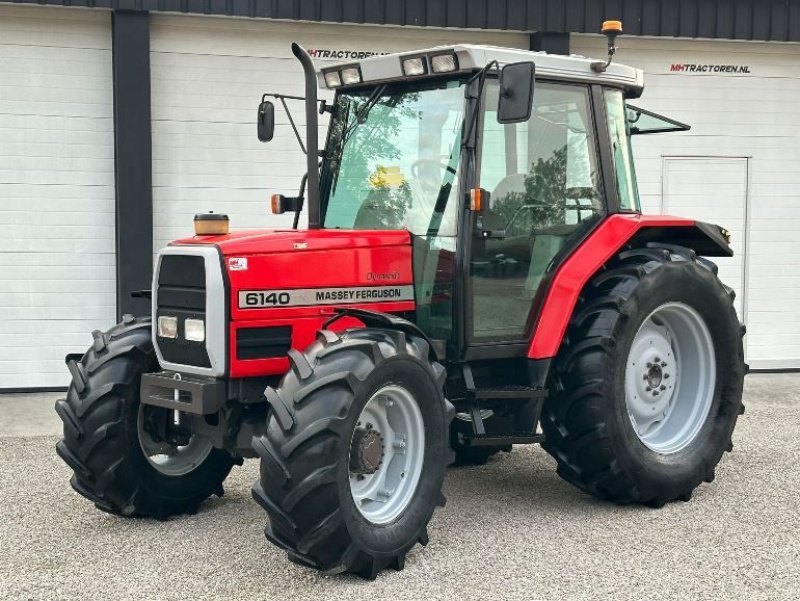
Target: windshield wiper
[363, 112]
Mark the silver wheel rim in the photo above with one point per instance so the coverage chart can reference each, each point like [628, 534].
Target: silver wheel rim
[670, 377]
[167, 458]
[393, 414]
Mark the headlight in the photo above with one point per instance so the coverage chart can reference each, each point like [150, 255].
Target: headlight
[444, 63]
[414, 66]
[332, 79]
[167, 326]
[351, 75]
[194, 330]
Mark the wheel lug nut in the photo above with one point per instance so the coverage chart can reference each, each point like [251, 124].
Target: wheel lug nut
[663, 364]
[649, 364]
[648, 389]
[663, 387]
[657, 360]
[644, 376]
[655, 393]
[666, 376]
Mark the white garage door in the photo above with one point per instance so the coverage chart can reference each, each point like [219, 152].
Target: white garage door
[208, 77]
[56, 190]
[741, 100]
[713, 189]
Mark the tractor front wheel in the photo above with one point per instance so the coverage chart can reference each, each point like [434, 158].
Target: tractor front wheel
[132, 459]
[647, 386]
[353, 458]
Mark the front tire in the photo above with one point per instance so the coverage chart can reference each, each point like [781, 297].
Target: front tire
[352, 462]
[647, 385]
[117, 465]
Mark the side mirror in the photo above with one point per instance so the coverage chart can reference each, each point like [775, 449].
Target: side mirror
[516, 92]
[266, 120]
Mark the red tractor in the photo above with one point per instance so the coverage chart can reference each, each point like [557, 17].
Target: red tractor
[476, 273]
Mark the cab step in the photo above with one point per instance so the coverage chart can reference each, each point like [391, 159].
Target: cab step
[509, 392]
[499, 440]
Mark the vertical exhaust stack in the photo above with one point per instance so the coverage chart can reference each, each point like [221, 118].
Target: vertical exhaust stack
[312, 133]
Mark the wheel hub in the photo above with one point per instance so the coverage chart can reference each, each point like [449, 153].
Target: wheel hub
[366, 451]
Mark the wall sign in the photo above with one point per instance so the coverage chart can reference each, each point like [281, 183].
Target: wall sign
[339, 53]
[698, 68]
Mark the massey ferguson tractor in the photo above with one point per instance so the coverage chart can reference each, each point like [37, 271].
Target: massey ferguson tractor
[476, 274]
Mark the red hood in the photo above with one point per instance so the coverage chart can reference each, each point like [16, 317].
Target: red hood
[251, 242]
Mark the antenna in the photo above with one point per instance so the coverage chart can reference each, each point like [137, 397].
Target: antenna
[612, 29]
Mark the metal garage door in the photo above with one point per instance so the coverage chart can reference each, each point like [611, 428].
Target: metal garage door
[208, 76]
[56, 189]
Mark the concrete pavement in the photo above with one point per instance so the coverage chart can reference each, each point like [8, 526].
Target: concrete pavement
[511, 530]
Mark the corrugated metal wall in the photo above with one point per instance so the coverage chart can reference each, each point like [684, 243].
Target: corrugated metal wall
[774, 20]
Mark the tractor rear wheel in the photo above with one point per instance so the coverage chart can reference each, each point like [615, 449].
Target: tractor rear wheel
[112, 442]
[352, 462]
[647, 386]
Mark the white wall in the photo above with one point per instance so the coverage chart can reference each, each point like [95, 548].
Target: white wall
[208, 77]
[57, 268]
[739, 115]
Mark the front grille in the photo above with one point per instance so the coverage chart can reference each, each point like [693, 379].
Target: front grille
[181, 293]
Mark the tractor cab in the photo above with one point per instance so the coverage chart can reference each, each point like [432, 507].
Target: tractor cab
[498, 163]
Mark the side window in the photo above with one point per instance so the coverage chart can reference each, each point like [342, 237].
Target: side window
[627, 191]
[543, 176]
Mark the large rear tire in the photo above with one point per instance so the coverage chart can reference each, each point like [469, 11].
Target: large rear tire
[117, 463]
[647, 385]
[353, 458]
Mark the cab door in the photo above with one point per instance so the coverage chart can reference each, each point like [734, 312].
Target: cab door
[545, 188]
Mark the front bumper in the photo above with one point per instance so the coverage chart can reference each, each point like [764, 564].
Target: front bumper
[200, 395]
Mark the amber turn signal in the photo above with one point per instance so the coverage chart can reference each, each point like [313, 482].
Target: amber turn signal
[478, 199]
[614, 27]
[211, 224]
[276, 202]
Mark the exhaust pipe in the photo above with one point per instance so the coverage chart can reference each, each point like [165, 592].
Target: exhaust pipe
[312, 133]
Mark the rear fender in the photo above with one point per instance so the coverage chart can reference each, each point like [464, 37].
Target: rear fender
[611, 236]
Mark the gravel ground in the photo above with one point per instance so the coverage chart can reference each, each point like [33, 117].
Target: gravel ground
[511, 529]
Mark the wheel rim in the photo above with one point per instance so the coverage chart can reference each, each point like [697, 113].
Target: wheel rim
[386, 454]
[670, 377]
[167, 458]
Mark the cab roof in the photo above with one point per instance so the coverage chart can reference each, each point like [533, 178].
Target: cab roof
[472, 57]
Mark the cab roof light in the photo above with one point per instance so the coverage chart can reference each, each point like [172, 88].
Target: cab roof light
[333, 79]
[444, 63]
[414, 65]
[350, 74]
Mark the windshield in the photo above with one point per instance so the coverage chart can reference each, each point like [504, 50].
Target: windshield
[393, 159]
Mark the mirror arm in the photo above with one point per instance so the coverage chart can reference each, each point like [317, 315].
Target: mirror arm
[294, 127]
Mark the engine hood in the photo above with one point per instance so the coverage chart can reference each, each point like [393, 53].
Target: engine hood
[253, 242]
